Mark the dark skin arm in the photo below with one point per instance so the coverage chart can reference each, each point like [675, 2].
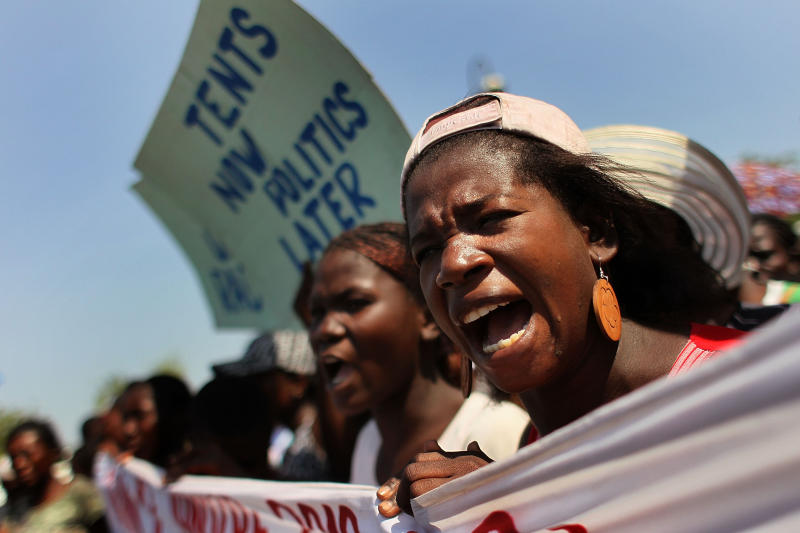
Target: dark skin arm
[428, 470]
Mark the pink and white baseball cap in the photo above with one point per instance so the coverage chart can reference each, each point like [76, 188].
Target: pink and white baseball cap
[498, 111]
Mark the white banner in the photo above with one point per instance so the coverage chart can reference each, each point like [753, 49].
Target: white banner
[137, 501]
[716, 449]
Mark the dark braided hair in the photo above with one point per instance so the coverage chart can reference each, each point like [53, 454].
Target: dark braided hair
[386, 245]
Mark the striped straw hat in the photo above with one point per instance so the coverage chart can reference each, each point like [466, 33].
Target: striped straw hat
[682, 175]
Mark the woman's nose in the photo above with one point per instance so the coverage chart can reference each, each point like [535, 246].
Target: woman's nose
[461, 262]
[327, 330]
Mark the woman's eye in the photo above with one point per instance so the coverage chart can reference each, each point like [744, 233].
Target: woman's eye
[353, 305]
[422, 254]
[494, 217]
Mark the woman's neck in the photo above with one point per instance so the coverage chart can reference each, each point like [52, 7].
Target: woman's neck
[406, 422]
[609, 370]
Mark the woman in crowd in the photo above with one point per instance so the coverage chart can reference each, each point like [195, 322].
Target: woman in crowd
[37, 501]
[154, 418]
[773, 263]
[379, 350]
[519, 233]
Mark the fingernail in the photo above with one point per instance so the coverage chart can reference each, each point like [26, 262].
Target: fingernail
[384, 492]
[388, 509]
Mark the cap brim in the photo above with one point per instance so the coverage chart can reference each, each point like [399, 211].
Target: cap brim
[239, 368]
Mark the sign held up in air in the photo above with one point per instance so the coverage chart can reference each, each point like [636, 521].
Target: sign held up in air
[271, 140]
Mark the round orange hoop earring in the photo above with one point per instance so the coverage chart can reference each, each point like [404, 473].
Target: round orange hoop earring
[606, 307]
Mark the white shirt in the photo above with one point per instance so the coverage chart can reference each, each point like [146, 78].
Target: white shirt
[496, 426]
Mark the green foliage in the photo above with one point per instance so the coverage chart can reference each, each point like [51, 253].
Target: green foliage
[171, 365]
[109, 391]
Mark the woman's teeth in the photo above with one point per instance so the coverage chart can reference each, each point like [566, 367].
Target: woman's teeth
[475, 314]
[503, 343]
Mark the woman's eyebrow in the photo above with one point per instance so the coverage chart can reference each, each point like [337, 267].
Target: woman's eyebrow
[464, 208]
[477, 204]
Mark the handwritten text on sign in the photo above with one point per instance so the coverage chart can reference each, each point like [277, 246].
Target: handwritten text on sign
[219, 102]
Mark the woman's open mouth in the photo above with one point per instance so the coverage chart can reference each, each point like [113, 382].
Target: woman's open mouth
[494, 327]
[335, 370]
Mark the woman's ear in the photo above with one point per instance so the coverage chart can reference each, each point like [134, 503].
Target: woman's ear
[600, 236]
[605, 245]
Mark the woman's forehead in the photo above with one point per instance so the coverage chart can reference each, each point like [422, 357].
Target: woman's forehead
[26, 438]
[454, 180]
[338, 261]
[139, 394]
[341, 267]
[764, 235]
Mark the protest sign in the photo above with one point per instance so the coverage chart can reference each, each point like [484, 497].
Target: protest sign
[271, 140]
[714, 449]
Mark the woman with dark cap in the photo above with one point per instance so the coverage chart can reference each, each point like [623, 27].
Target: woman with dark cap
[520, 232]
[379, 350]
[281, 363]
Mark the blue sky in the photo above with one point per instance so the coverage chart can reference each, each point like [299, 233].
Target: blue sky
[92, 285]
